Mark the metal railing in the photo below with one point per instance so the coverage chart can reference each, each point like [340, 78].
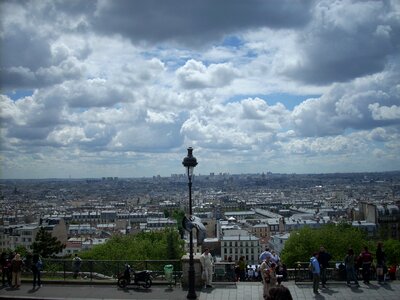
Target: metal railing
[104, 270]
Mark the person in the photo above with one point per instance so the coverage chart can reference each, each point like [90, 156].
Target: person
[279, 292]
[349, 262]
[277, 260]
[16, 268]
[206, 261]
[36, 268]
[76, 265]
[380, 263]
[366, 261]
[271, 278]
[264, 269]
[4, 267]
[275, 257]
[316, 271]
[323, 259]
[241, 268]
[230, 271]
[265, 254]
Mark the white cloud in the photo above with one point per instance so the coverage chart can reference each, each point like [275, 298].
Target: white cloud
[104, 86]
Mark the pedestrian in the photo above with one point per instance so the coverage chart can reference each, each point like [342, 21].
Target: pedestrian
[316, 271]
[76, 265]
[275, 257]
[270, 278]
[241, 268]
[366, 261]
[279, 292]
[37, 266]
[380, 263]
[323, 259]
[350, 262]
[265, 254]
[4, 267]
[264, 269]
[206, 261]
[16, 268]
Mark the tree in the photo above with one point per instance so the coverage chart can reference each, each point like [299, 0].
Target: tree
[335, 238]
[45, 244]
[157, 245]
[178, 215]
[392, 251]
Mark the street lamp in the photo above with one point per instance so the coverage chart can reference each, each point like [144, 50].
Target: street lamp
[189, 162]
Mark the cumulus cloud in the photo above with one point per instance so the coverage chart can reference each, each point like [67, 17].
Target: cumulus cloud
[270, 86]
[346, 39]
[194, 23]
[195, 74]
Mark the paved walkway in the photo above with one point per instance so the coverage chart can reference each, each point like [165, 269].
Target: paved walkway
[240, 291]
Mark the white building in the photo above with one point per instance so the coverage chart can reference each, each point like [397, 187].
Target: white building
[236, 246]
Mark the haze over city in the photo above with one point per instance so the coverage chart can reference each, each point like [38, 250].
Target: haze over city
[122, 88]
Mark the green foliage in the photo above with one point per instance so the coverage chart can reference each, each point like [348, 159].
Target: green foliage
[157, 245]
[45, 244]
[21, 250]
[178, 215]
[392, 251]
[335, 238]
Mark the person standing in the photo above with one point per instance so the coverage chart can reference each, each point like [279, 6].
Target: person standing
[16, 269]
[4, 267]
[366, 261]
[76, 265]
[36, 267]
[316, 271]
[380, 263]
[241, 267]
[349, 262]
[206, 261]
[323, 259]
[264, 270]
[271, 277]
[265, 254]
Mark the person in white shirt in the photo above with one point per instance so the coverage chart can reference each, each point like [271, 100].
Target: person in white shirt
[206, 261]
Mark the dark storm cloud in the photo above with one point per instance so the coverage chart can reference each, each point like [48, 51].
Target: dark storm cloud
[195, 22]
[346, 40]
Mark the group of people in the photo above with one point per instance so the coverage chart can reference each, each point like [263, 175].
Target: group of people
[319, 263]
[272, 274]
[12, 266]
[270, 271]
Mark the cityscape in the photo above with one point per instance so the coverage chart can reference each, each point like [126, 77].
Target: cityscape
[242, 213]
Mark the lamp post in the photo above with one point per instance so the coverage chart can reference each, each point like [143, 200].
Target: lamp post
[189, 162]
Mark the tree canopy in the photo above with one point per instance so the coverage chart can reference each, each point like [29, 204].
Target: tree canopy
[337, 239]
[157, 245]
[45, 244]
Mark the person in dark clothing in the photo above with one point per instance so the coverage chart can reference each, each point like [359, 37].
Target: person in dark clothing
[36, 267]
[323, 259]
[366, 261]
[380, 263]
[4, 262]
[350, 262]
[279, 293]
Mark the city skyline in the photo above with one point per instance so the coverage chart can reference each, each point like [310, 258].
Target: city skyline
[95, 89]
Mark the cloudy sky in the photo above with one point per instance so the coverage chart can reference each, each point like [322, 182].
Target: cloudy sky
[122, 88]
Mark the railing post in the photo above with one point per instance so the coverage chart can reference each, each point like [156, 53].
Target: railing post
[91, 270]
[65, 269]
